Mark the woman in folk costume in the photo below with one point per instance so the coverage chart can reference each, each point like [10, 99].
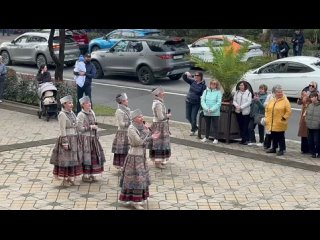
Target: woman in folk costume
[135, 179]
[120, 145]
[92, 152]
[66, 156]
[160, 149]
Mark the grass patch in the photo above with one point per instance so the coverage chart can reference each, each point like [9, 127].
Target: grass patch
[101, 110]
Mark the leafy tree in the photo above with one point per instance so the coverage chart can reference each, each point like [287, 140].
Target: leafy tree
[59, 61]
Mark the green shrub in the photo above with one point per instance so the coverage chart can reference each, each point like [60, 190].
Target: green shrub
[20, 88]
[23, 88]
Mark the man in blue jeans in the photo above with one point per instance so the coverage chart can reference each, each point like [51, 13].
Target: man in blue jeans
[193, 102]
[86, 89]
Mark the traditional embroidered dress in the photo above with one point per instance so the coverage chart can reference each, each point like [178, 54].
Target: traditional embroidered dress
[160, 148]
[120, 145]
[67, 163]
[135, 179]
[92, 151]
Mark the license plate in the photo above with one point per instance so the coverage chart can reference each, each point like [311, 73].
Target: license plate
[178, 57]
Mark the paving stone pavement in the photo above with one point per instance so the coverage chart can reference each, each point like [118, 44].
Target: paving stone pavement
[199, 176]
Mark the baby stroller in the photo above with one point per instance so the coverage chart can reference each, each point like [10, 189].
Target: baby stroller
[48, 106]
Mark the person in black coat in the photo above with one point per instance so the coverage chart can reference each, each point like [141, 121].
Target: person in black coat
[43, 75]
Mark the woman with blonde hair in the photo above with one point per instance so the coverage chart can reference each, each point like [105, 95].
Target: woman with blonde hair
[211, 104]
[277, 115]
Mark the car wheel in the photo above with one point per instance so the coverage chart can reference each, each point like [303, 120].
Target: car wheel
[145, 75]
[98, 67]
[6, 58]
[41, 60]
[95, 48]
[176, 76]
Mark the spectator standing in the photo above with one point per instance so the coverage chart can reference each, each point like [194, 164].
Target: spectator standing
[297, 41]
[283, 49]
[304, 101]
[92, 151]
[135, 179]
[274, 49]
[120, 144]
[90, 74]
[3, 77]
[66, 155]
[242, 100]
[193, 101]
[257, 110]
[277, 115]
[312, 116]
[211, 104]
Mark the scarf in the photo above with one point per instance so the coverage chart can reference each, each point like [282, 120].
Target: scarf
[71, 116]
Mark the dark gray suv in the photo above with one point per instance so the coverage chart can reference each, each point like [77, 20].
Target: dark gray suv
[148, 58]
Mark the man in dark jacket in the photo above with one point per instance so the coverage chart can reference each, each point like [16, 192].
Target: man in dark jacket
[297, 41]
[193, 101]
[86, 89]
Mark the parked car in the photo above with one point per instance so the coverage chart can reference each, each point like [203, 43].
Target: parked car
[32, 48]
[292, 73]
[78, 35]
[113, 37]
[148, 58]
[200, 47]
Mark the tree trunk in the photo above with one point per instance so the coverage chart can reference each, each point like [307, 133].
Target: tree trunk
[58, 61]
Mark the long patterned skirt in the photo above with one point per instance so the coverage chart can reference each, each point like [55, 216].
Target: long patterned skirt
[120, 147]
[67, 163]
[160, 148]
[93, 155]
[135, 179]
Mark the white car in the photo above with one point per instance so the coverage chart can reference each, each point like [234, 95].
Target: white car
[292, 73]
[200, 47]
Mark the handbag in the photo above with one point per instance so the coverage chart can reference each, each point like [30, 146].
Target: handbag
[257, 118]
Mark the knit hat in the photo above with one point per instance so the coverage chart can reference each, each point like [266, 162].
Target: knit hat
[84, 99]
[157, 90]
[66, 99]
[136, 113]
[121, 97]
[81, 58]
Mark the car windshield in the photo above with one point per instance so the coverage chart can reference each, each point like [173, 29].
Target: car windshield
[242, 40]
[69, 39]
[167, 46]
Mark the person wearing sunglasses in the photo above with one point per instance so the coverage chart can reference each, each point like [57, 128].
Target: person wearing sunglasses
[193, 99]
[304, 101]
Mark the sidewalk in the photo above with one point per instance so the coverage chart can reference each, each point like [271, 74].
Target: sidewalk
[198, 176]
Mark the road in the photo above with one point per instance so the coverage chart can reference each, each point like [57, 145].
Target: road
[104, 91]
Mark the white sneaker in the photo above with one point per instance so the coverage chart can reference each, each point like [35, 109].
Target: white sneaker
[259, 144]
[215, 141]
[0, 101]
[204, 140]
[251, 144]
[192, 133]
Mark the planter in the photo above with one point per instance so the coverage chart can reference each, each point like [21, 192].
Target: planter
[228, 125]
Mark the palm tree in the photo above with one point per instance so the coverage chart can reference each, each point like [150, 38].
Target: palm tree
[227, 66]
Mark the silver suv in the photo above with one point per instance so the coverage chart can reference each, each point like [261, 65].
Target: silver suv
[148, 58]
[32, 48]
